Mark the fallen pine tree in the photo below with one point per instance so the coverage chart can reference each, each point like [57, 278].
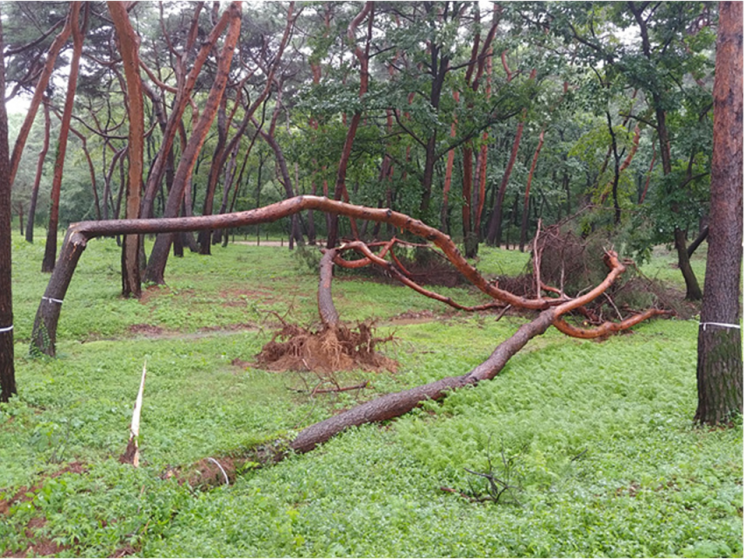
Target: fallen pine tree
[552, 307]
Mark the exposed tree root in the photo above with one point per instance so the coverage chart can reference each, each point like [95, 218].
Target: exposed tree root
[335, 348]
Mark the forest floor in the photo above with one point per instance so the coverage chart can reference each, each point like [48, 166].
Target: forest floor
[594, 439]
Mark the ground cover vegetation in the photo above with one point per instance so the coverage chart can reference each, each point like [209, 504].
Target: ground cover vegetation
[414, 141]
[604, 458]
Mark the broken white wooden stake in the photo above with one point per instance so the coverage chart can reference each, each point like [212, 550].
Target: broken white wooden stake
[134, 429]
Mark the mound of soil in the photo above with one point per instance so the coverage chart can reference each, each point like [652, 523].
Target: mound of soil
[331, 349]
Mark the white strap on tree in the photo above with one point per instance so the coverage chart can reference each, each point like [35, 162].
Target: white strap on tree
[6, 329]
[720, 324]
[52, 300]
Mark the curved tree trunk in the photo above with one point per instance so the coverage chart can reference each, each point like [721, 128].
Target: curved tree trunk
[79, 233]
[340, 187]
[40, 90]
[183, 94]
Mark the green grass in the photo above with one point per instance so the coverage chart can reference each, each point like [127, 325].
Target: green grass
[606, 460]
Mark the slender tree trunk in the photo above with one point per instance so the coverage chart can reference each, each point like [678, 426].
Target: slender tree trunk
[129, 50]
[40, 90]
[7, 367]
[39, 170]
[524, 227]
[340, 187]
[203, 239]
[181, 101]
[494, 233]
[159, 255]
[719, 370]
[50, 252]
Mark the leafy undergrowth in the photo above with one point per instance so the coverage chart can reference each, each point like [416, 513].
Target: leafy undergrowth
[603, 458]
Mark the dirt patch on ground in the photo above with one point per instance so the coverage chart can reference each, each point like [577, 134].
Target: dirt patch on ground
[340, 348]
[240, 297]
[148, 330]
[417, 317]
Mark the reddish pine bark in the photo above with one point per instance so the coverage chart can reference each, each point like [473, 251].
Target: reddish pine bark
[129, 50]
[186, 83]
[159, 255]
[340, 188]
[40, 90]
[719, 370]
[526, 200]
[50, 251]
[494, 234]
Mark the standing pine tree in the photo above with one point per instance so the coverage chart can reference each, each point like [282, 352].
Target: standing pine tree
[719, 339]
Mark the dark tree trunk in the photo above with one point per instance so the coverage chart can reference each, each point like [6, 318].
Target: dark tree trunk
[719, 370]
[693, 291]
[39, 170]
[7, 368]
[524, 226]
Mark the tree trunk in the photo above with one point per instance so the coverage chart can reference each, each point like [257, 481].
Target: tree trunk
[7, 368]
[693, 291]
[40, 90]
[159, 255]
[129, 50]
[494, 232]
[340, 187]
[39, 169]
[50, 251]
[183, 95]
[524, 227]
[399, 403]
[719, 371]
[79, 233]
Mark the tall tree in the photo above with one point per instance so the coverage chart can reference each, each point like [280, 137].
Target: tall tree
[50, 251]
[39, 170]
[129, 47]
[7, 369]
[719, 370]
[159, 255]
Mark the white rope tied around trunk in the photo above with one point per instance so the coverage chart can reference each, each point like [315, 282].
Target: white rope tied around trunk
[6, 329]
[720, 324]
[52, 300]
